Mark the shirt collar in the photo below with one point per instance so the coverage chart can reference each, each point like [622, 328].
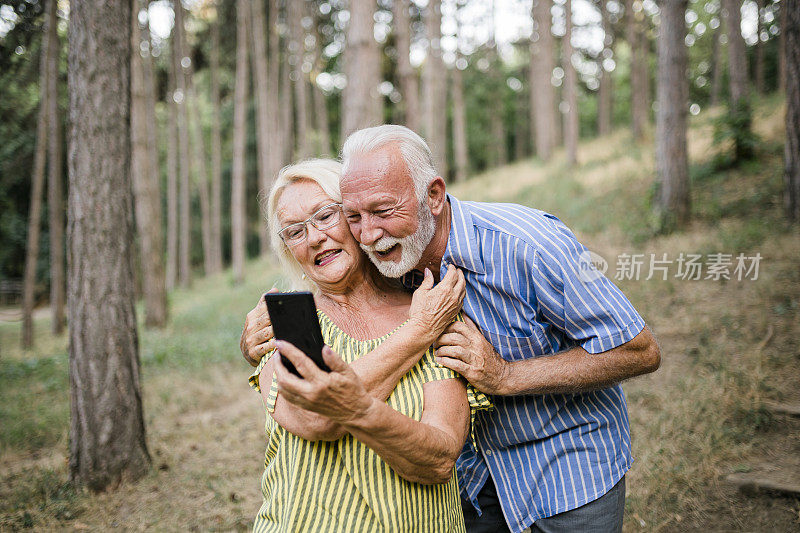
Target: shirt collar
[462, 244]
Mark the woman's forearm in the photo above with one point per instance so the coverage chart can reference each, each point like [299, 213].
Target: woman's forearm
[382, 369]
[422, 451]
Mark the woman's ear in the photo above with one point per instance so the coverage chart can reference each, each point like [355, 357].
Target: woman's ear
[437, 196]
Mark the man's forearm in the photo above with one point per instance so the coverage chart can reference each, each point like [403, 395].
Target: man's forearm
[576, 370]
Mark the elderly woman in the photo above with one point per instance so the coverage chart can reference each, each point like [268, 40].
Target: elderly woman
[371, 445]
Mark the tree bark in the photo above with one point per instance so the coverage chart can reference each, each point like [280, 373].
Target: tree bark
[287, 117]
[197, 149]
[673, 93]
[107, 434]
[571, 92]
[759, 52]
[361, 103]
[604, 93]
[409, 84]
[633, 16]
[184, 196]
[459, 125]
[55, 189]
[172, 170]
[435, 102]
[282, 132]
[791, 31]
[543, 94]
[322, 125]
[782, 46]
[261, 85]
[37, 187]
[238, 213]
[737, 55]
[719, 65]
[296, 50]
[147, 200]
[216, 152]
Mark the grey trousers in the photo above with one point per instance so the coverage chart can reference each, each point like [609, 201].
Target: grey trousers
[603, 515]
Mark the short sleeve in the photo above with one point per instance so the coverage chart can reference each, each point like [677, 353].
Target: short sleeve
[254, 379]
[578, 299]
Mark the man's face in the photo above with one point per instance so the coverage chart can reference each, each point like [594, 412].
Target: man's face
[384, 214]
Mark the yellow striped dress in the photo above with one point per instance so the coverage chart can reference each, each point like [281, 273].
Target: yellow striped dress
[343, 485]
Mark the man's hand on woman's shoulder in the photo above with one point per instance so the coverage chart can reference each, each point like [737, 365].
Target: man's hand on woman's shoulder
[257, 337]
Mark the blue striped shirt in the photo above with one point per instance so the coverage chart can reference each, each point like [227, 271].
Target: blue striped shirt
[530, 296]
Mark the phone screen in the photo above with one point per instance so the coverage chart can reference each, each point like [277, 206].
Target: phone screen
[294, 320]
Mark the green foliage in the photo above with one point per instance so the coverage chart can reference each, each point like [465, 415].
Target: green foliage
[736, 127]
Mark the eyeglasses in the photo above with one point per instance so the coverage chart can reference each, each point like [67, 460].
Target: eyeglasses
[324, 218]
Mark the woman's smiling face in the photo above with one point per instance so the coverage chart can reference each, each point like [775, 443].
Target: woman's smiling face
[328, 257]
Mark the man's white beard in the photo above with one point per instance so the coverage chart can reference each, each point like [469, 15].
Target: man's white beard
[411, 247]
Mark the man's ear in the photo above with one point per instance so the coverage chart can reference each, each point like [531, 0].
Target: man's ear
[437, 197]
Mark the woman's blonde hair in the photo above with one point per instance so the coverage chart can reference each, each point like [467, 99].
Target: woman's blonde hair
[326, 174]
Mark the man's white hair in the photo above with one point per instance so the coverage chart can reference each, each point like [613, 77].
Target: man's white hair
[416, 154]
[326, 174]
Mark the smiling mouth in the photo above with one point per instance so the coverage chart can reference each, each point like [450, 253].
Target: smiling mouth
[386, 252]
[326, 257]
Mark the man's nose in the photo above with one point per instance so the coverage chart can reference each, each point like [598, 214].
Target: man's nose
[369, 233]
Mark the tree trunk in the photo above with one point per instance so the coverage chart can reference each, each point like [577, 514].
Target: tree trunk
[216, 152]
[172, 170]
[570, 92]
[459, 125]
[197, 159]
[543, 94]
[55, 189]
[147, 200]
[280, 134]
[604, 93]
[323, 148]
[258, 60]
[37, 187]
[409, 85]
[522, 137]
[791, 29]
[184, 196]
[759, 52]
[296, 51]
[739, 111]
[782, 46]
[107, 434]
[361, 103]
[435, 102]
[238, 212]
[719, 65]
[673, 93]
[633, 18]
[737, 55]
[287, 117]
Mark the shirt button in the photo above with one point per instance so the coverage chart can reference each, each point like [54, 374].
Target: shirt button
[488, 452]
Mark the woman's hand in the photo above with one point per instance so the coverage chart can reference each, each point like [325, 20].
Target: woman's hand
[257, 336]
[433, 309]
[338, 394]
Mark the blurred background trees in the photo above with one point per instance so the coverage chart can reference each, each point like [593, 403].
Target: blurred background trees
[226, 92]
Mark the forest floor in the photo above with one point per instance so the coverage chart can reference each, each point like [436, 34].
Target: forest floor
[728, 346]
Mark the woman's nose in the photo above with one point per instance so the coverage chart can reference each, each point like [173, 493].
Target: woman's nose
[314, 235]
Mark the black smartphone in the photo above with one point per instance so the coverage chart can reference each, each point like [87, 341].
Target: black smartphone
[294, 320]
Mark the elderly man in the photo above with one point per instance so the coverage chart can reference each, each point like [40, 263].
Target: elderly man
[550, 338]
